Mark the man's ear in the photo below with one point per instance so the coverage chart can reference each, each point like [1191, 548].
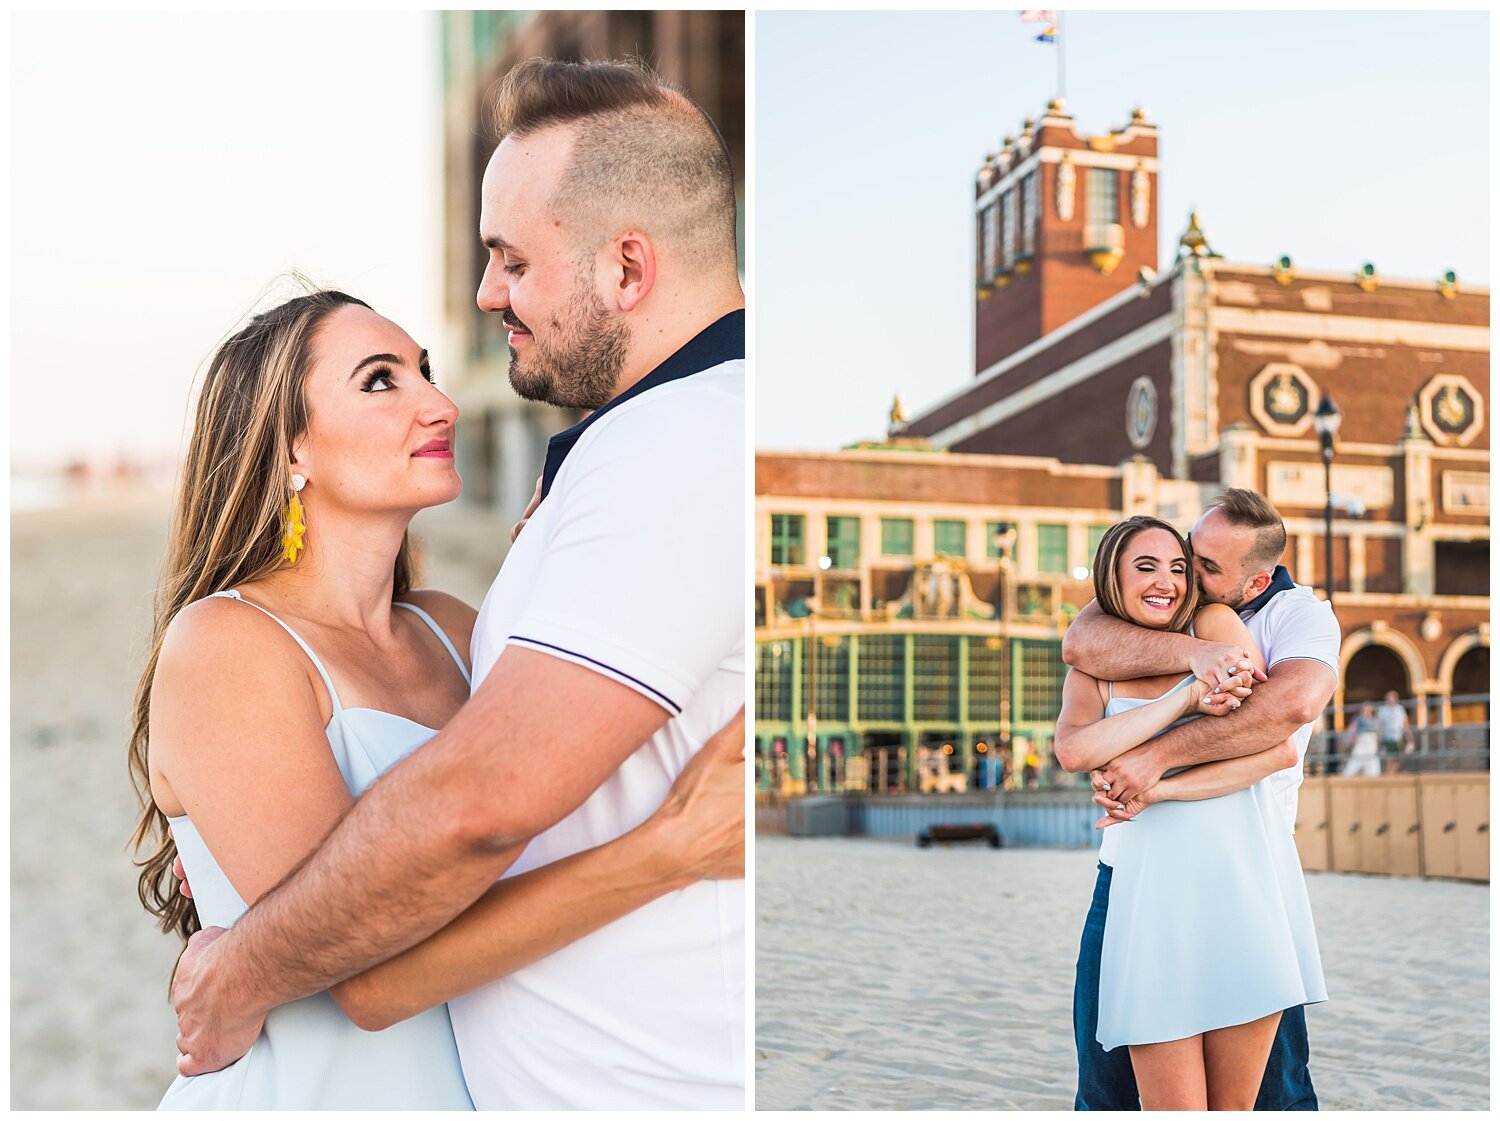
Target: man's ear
[1258, 584]
[635, 258]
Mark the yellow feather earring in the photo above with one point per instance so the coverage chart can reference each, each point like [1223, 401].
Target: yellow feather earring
[296, 525]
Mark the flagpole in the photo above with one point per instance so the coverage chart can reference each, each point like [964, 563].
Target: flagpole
[1062, 72]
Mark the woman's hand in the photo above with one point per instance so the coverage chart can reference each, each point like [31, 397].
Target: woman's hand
[700, 828]
[1116, 812]
[1219, 700]
[536, 500]
[1213, 662]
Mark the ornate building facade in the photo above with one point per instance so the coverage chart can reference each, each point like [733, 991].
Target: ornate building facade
[1105, 388]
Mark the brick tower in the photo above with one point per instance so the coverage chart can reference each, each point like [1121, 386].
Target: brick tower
[1063, 221]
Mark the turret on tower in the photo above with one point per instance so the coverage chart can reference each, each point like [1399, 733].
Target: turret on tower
[1063, 221]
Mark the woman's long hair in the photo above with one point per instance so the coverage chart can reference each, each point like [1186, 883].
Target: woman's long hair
[1107, 571]
[228, 522]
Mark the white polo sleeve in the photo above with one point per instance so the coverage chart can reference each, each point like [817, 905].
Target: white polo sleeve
[1304, 627]
[643, 576]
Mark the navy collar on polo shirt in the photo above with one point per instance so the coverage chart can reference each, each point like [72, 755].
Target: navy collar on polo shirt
[721, 341]
[1281, 581]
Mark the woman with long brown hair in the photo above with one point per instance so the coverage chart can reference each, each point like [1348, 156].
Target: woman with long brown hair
[1208, 936]
[292, 662]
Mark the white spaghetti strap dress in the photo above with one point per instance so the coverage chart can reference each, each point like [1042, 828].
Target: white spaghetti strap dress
[309, 1055]
[1208, 923]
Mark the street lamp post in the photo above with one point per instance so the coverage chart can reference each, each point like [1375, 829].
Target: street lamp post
[1005, 539]
[1327, 419]
[813, 774]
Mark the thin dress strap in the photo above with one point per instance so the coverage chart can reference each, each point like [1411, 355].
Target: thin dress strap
[306, 649]
[1111, 690]
[437, 630]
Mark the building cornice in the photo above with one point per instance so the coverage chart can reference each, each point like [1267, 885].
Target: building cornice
[1248, 268]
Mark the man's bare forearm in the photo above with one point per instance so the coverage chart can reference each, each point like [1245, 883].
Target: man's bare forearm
[1264, 719]
[395, 869]
[1112, 649]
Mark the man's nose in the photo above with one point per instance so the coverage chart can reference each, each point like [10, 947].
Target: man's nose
[494, 292]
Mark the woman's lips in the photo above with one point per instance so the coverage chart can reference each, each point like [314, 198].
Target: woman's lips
[1158, 603]
[434, 449]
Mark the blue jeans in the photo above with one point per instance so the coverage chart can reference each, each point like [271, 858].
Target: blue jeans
[1106, 1080]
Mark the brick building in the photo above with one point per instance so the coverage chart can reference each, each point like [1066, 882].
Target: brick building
[1107, 386]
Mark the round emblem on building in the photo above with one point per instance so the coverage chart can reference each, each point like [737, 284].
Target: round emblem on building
[1282, 399]
[1140, 413]
[1451, 409]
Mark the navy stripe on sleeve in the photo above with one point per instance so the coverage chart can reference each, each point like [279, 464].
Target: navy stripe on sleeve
[666, 700]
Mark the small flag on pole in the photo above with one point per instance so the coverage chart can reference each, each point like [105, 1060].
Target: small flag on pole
[1048, 36]
[1038, 15]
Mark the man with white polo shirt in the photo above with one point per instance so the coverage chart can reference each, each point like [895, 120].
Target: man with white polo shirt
[1236, 544]
[609, 649]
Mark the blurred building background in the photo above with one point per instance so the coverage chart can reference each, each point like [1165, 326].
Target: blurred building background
[503, 439]
[911, 594]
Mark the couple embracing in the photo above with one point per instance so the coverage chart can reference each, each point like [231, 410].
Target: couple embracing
[1196, 677]
[495, 860]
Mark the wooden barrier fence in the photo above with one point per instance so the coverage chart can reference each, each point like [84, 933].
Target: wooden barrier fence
[1397, 825]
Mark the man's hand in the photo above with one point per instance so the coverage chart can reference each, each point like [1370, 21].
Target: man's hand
[1126, 776]
[536, 500]
[211, 1033]
[1213, 663]
[701, 825]
[179, 871]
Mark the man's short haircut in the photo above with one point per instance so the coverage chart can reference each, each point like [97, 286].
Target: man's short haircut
[1242, 507]
[644, 157]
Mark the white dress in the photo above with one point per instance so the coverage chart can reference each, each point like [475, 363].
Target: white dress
[309, 1055]
[1208, 923]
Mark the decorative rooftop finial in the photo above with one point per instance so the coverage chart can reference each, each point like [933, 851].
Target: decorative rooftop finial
[1057, 105]
[1194, 242]
[1448, 285]
[1138, 115]
[1367, 278]
[898, 417]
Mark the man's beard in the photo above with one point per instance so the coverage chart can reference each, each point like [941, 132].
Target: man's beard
[1237, 604]
[579, 365]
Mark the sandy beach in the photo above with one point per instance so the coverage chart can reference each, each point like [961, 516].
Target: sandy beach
[892, 977]
[90, 1025]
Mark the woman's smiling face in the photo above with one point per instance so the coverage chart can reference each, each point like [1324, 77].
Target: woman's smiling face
[1153, 577]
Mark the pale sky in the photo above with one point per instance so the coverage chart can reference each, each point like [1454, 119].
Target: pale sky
[166, 167]
[1336, 137]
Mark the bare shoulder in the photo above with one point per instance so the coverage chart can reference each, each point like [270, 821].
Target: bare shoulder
[452, 614]
[1217, 622]
[220, 633]
[220, 661]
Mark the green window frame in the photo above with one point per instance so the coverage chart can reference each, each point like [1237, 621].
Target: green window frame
[896, 537]
[788, 539]
[1051, 548]
[843, 542]
[950, 537]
